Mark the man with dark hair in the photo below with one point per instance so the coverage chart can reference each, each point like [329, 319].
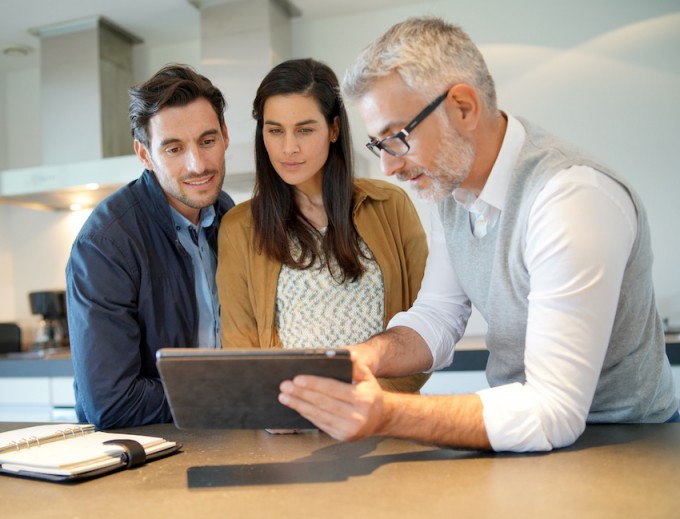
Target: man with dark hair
[549, 244]
[141, 275]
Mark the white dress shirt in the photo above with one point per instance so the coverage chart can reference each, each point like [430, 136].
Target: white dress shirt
[580, 233]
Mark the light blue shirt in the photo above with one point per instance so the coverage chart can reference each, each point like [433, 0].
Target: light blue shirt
[204, 260]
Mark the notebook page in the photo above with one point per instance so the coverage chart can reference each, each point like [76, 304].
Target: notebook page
[76, 455]
[41, 433]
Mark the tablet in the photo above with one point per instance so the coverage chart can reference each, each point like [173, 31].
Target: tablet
[239, 389]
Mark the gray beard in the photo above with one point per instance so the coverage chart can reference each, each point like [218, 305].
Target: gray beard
[451, 167]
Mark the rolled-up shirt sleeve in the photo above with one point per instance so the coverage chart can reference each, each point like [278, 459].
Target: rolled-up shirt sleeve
[441, 310]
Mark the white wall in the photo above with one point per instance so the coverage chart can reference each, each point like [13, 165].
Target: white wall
[602, 74]
[147, 60]
[40, 244]
[7, 312]
[3, 127]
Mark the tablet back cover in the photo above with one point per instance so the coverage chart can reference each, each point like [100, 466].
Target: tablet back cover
[238, 389]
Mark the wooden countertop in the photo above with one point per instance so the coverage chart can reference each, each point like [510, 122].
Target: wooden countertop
[612, 471]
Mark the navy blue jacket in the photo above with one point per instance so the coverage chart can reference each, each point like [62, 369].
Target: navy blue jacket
[130, 291]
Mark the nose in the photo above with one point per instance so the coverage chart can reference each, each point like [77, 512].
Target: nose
[290, 144]
[195, 161]
[390, 164]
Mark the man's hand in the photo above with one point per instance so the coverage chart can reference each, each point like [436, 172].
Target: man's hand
[344, 411]
[396, 352]
[364, 353]
[349, 412]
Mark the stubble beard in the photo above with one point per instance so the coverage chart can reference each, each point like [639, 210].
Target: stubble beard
[199, 202]
[451, 165]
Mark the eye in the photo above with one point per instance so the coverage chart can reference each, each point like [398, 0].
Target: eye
[274, 131]
[305, 131]
[209, 141]
[172, 150]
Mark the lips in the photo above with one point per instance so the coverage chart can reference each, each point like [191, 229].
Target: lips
[408, 177]
[292, 165]
[199, 181]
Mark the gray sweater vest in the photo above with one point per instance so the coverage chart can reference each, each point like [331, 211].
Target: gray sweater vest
[636, 383]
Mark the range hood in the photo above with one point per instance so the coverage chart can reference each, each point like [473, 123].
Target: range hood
[82, 185]
[85, 71]
[85, 68]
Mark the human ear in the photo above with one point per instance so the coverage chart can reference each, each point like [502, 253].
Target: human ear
[335, 129]
[464, 103]
[143, 155]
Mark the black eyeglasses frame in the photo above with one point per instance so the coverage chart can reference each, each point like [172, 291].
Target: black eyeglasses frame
[376, 146]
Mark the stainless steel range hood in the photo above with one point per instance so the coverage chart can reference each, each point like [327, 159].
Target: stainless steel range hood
[85, 71]
[77, 185]
[82, 185]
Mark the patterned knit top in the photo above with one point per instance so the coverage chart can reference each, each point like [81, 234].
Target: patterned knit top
[315, 310]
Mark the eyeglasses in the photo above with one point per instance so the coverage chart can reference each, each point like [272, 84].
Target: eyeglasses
[396, 144]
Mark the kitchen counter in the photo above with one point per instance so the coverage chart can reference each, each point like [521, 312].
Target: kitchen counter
[471, 355]
[31, 366]
[612, 471]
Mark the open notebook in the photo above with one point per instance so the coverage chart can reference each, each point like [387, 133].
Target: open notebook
[238, 389]
[60, 452]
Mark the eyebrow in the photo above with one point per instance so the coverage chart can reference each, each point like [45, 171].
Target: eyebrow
[172, 140]
[386, 130]
[299, 123]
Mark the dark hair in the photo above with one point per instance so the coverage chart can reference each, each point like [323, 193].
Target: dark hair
[276, 216]
[173, 85]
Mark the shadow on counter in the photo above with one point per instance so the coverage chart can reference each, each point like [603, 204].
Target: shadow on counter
[345, 460]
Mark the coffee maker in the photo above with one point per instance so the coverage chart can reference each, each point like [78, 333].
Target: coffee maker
[52, 330]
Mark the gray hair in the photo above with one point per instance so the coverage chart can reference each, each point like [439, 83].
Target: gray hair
[429, 54]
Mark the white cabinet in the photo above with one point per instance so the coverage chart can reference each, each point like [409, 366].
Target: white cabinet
[61, 392]
[37, 399]
[24, 391]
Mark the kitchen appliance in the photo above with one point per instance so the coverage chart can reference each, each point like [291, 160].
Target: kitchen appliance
[10, 338]
[52, 331]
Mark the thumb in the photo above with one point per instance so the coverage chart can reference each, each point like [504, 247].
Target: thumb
[360, 371]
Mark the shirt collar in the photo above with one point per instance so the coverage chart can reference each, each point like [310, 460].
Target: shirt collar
[497, 184]
[206, 218]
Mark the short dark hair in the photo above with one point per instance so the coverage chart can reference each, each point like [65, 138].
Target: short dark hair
[276, 217]
[173, 85]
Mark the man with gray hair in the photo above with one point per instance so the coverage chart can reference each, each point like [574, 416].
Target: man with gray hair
[551, 246]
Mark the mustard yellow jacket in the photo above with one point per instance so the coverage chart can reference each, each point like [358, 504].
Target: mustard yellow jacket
[386, 220]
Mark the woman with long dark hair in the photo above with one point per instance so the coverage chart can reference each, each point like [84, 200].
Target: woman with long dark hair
[317, 258]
